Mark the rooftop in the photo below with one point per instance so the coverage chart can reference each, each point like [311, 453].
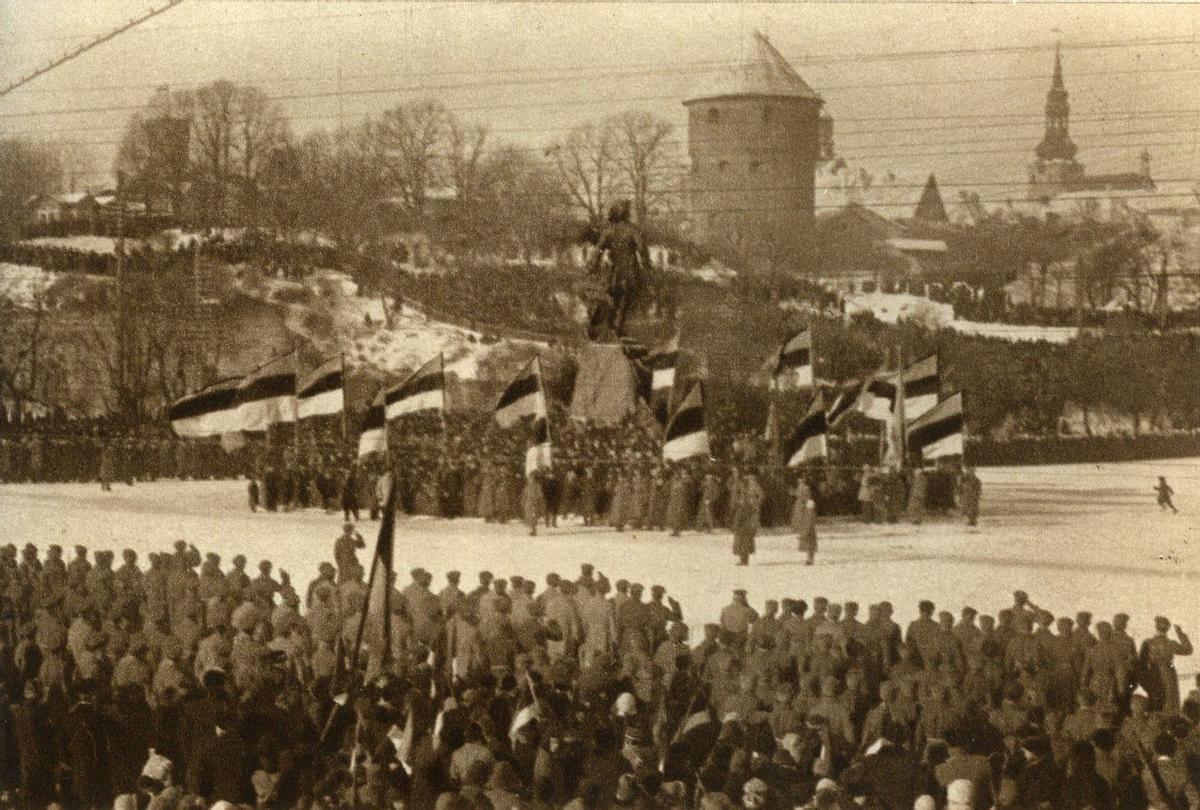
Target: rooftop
[763, 72]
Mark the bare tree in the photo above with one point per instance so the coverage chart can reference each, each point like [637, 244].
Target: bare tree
[409, 142]
[28, 169]
[465, 150]
[528, 200]
[643, 155]
[586, 165]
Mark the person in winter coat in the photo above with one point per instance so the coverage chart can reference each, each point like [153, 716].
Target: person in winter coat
[747, 503]
[533, 501]
[804, 521]
[679, 501]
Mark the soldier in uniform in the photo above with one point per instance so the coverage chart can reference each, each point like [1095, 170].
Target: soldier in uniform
[710, 491]
[804, 521]
[968, 492]
[744, 516]
[533, 501]
[345, 555]
[1157, 665]
[916, 496]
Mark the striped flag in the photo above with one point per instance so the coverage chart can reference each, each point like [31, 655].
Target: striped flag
[323, 392]
[661, 363]
[792, 366]
[878, 398]
[939, 432]
[377, 602]
[808, 442]
[523, 397]
[424, 390]
[373, 436]
[686, 435]
[843, 402]
[211, 411]
[921, 387]
[537, 456]
[267, 395]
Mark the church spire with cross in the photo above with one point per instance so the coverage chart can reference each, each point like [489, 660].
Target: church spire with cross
[1056, 142]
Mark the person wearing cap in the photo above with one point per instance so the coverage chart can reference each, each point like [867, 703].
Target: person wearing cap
[533, 500]
[679, 500]
[804, 521]
[659, 614]
[744, 516]
[262, 589]
[78, 568]
[1157, 665]
[710, 493]
[450, 598]
[326, 575]
[967, 492]
[738, 616]
[965, 774]
[345, 551]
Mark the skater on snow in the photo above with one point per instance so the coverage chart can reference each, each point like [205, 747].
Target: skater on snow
[1164, 495]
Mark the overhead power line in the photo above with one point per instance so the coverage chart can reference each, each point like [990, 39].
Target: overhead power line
[87, 46]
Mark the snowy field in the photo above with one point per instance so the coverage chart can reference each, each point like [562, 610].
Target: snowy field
[1086, 537]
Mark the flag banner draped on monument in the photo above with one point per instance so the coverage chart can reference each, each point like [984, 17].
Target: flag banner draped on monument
[323, 392]
[607, 385]
[373, 436]
[267, 396]
[878, 398]
[523, 397]
[921, 387]
[211, 411]
[686, 434]
[792, 365]
[424, 390]
[939, 432]
[808, 441]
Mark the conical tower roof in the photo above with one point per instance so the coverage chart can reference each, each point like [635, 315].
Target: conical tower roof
[930, 207]
[763, 73]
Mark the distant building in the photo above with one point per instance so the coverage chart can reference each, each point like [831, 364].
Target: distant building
[1055, 170]
[755, 136]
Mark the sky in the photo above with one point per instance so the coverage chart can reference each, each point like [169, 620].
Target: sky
[971, 112]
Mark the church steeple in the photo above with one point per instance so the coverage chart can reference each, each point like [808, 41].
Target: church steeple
[1056, 142]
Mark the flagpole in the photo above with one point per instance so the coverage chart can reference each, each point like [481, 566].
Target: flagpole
[343, 361]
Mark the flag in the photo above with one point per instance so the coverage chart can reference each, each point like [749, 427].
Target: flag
[921, 387]
[377, 602]
[808, 441]
[792, 366]
[661, 364]
[686, 434]
[878, 397]
[843, 402]
[523, 397]
[267, 395]
[323, 392]
[373, 436]
[210, 411]
[424, 390]
[939, 432]
[537, 456]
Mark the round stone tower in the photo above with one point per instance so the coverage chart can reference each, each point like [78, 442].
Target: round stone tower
[754, 139]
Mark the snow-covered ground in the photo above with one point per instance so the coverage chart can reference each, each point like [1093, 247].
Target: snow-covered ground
[21, 284]
[88, 242]
[1086, 537]
[360, 330]
[896, 307]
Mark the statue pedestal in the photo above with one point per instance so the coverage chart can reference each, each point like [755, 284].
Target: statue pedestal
[604, 385]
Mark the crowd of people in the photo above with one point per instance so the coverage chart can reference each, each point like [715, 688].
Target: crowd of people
[186, 683]
[100, 450]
